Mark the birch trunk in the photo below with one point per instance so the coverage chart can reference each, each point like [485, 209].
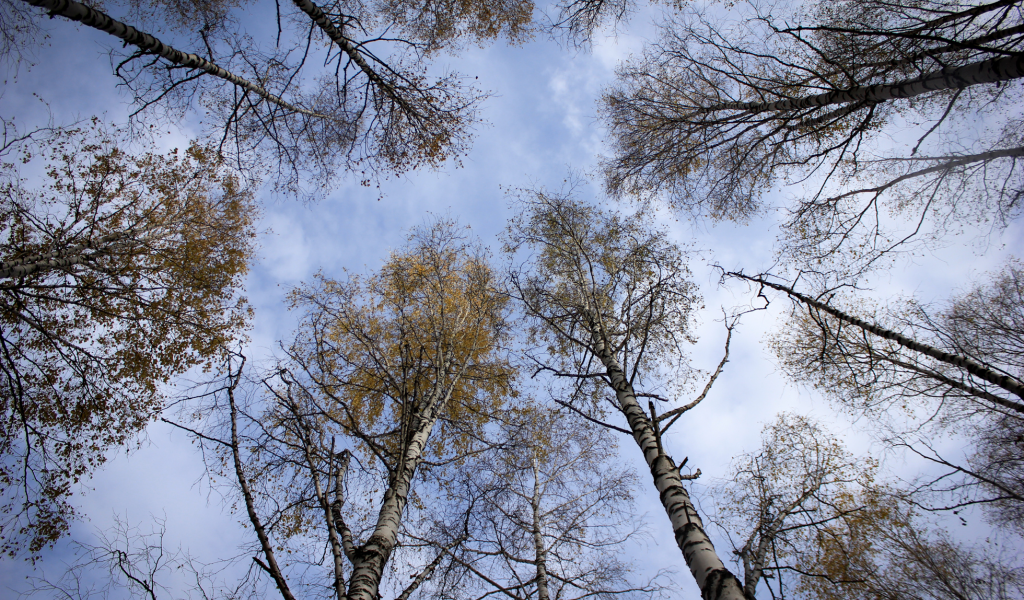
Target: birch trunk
[369, 559]
[540, 552]
[77, 11]
[988, 71]
[981, 372]
[715, 581]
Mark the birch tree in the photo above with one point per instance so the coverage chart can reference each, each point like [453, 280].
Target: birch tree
[546, 514]
[780, 496]
[953, 369]
[372, 108]
[117, 272]
[882, 550]
[393, 375]
[812, 522]
[719, 113]
[609, 302]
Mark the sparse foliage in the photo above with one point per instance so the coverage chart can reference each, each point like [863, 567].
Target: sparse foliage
[376, 108]
[395, 374]
[718, 114]
[546, 514]
[610, 306]
[923, 371]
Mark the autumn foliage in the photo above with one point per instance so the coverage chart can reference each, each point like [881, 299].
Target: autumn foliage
[120, 272]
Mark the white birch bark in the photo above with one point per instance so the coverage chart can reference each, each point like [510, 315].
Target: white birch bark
[540, 552]
[75, 254]
[369, 559]
[716, 582]
[989, 71]
[77, 11]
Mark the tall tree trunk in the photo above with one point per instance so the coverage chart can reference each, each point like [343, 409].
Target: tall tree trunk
[77, 11]
[715, 581]
[540, 552]
[1006, 382]
[369, 559]
[988, 71]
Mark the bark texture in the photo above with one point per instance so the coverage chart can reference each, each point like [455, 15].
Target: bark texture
[716, 582]
[541, 559]
[369, 559]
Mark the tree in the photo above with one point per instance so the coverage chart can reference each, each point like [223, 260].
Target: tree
[780, 496]
[879, 550]
[956, 369]
[396, 373]
[376, 113]
[543, 515]
[811, 518]
[715, 116]
[610, 305]
[117, 272]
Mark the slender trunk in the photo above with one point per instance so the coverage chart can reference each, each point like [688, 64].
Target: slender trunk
[271, 567]
[369, 559]
[949, 163]
[429, 569]
[77, 11]
[989, 71]
[325, 505]
[540, 552]
[715, 581]
[1004, 381]
[324, 23]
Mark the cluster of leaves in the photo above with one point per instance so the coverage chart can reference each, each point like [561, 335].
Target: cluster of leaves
[121, 272]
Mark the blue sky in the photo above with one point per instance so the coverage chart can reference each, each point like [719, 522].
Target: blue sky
[540, 122]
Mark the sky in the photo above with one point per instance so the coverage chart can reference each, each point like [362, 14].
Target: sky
[539, 123]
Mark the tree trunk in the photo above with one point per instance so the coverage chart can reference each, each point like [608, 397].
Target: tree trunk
[77, 11]
[989, 71]
[715, 581]
[981, 372]
[540, 553]
[324, 23]
[369, 559]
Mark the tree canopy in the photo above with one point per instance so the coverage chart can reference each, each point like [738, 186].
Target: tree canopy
[119, 273]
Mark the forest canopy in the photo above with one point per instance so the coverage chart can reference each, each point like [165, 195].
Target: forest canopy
[472, 299]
